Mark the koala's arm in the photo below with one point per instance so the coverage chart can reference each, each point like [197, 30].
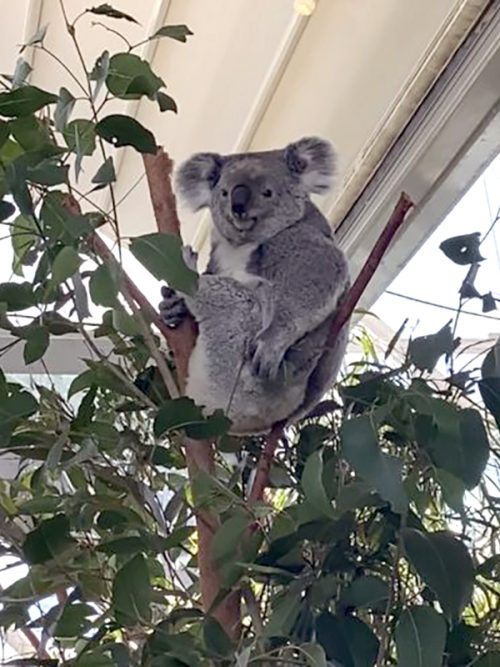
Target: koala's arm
[311, 277]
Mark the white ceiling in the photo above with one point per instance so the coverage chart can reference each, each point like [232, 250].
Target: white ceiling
[256, 75]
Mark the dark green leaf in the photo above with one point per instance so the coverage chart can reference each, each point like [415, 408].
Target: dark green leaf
[366, 592]
[444, 564]
[103, 286]
[64, 107]
[165, 102]
[41, 505]
[490, 659]
[121, 130]
[463, 249]
[228, 537]
[36, 345]
[61, 225]
[424, 352]
[17, 296]
[14, 408]
[162, 255]
[125, 323]
[105, 174]
[312, 484]
[489, 385]
[49, 172]
[315, 655]
[6, 210]
[284, 614]
[361, 450]
[347, 640]
[74, 621]
[452, 488]
[4, 132]
[182, 413]
[215, 638]
[48, 540]
[130, 77]
[65, 265]
[177, 32]
[107, 10]
[420, 638]
[24, 101]
[460, 447]
[132, 593]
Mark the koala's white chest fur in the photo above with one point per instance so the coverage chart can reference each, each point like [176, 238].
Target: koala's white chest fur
[232, 260]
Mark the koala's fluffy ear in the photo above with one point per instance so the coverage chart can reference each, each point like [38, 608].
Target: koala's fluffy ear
[312, 160]
[197, 177]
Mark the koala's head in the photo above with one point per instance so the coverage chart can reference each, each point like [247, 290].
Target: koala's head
[253, 196]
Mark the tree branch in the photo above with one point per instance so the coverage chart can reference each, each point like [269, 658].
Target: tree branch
[344, 312]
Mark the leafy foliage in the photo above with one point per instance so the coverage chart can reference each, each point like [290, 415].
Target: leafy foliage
[377, 541]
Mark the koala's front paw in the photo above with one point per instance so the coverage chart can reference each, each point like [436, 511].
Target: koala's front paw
[172, 307]
[265, 360]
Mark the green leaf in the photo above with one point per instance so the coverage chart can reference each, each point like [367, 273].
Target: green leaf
[64, 107]
[366, 592]
[284, 614]
[463, 249]
[182, 413]
[100, 72]
[444, 564]
[107, 10]
[48, 540]
[24, 101]
[162, 255]
[14, 408]
[315, 655]
[361, 450]
[41, 505]
[420, 638]
[80, 136]
[178, 32]
[132, 593]
[74, 621]
[490, 659]
[105, 174]
[215, 638]
[103, 286]
[6, 210]
[165, 102]
[452, 488]
[228, 537]
[489, 385]
[17, 296]
[312, 484]
[36, 345]
[61, 225]
[32, 134]
[461, 448]
[21, 73]
[347, 640]
[121, 130]
[424, 352]
[130, 77]
[24, 235]
[65, 265]
[125, 323]
[49, 172]
[4, 132]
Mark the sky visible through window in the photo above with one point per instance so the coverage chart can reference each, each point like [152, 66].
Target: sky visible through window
[430, 276]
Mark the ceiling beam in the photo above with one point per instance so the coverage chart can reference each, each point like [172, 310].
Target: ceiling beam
[32, 20]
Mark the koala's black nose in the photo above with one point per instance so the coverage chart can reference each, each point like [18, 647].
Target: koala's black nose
[240, 198]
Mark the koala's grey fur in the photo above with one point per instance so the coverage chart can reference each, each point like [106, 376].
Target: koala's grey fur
[272, 285]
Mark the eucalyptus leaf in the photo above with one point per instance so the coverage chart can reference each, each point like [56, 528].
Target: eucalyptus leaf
[463, 249]
[162, 255]
[130, 77]
[36, 345]
[65, 264]
[105, 9]
[132, 593]
[420, 637]
[24, 101]
[178, 32]
[312, 484]
[444, 564]
[64, 107]
[121, 130]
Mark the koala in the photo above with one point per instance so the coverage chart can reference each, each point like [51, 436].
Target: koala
[274, 278]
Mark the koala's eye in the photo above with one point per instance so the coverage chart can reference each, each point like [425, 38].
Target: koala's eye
[267, 193]
[224, 192]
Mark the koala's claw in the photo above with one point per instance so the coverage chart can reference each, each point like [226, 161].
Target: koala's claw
[265, 363]
[172, 307]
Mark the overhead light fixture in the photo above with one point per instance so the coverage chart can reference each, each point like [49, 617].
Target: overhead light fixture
[305, 7]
